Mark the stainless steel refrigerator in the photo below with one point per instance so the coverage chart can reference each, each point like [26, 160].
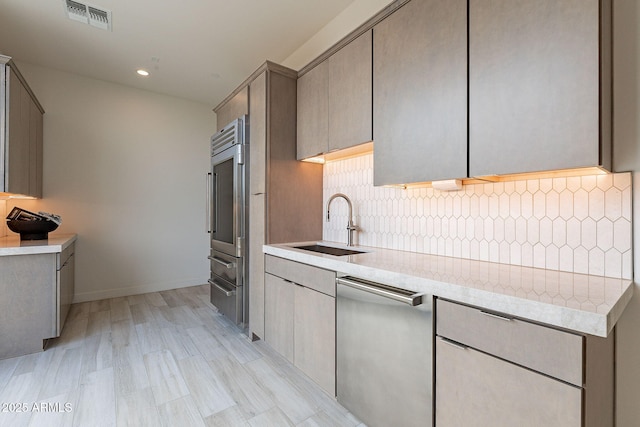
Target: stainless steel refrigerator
[228, 220]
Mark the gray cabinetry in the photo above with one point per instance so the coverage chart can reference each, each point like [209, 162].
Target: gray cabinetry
[65, 279]
[420, 93]
[350, 94]
[313, 112]
[235, 106]
[334, 101]
[21, 129]
[539, 85]
[278, 315]
[315, 336]
[539, 375]
[37, 291]
[300, 316]
[285, 201]
[473, 388]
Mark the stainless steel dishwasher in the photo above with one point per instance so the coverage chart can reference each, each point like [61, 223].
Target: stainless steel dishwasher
[384, 369]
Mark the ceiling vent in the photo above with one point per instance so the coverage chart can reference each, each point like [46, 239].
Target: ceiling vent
[92, 15]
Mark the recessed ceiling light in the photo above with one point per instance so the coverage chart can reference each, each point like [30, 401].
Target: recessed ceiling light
[142, 72]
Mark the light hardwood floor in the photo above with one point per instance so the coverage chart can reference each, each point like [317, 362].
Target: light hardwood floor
[159, 359]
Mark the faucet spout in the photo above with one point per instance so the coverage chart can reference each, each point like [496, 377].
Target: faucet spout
[350, 226]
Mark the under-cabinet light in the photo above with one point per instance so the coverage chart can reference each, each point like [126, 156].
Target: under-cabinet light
[447, 185]
[8, 196]
[316, 159]
[345, 153]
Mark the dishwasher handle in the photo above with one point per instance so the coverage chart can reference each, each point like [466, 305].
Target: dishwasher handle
[396, 294]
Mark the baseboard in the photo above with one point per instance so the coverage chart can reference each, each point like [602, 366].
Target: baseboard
[135, 290]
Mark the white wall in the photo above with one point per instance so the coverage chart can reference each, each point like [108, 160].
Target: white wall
[627, 157]
[352, 17]
[125, 168]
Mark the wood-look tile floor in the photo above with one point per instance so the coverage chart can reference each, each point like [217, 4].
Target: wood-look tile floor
[159, 359]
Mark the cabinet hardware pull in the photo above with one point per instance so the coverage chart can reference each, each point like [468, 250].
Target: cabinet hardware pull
[221, 288]
[222, 262]
[497, 316]
[452, 343]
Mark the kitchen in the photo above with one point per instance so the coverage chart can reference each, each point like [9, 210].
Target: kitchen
[97, 164]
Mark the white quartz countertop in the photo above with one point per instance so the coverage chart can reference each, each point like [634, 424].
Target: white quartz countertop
[578, 302]
[12, 245]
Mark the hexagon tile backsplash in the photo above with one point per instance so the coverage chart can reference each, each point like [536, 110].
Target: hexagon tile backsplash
[575, 224]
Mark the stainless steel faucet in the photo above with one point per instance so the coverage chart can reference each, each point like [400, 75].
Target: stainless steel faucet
[350, 226]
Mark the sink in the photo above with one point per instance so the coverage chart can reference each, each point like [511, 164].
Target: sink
[329, 250]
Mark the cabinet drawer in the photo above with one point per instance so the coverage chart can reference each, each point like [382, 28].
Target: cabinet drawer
[550, 351]
[475, 389]
[312, 277]
[64, 255]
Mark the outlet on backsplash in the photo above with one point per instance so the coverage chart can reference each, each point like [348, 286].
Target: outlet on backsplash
[575, 224]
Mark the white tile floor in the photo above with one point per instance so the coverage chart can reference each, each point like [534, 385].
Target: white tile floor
[159, 359]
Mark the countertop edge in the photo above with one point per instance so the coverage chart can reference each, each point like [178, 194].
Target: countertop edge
[11, 245]
[581, 321]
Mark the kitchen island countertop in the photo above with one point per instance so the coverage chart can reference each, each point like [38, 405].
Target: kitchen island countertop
[12, 245]
[577, 302]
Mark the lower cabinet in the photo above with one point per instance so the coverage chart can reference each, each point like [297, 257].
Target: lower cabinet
[300, 313]
[65, 285]
[492, 369]
[476, 389]
[314, 336]
[37, 292]
[278, 315]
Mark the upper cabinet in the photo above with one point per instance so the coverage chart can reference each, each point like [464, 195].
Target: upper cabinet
[420, 93]
[539, 85]
[313, 112]
[237, 105]
[21, 130]
[350, 94]
[466, 89]
[334, 101]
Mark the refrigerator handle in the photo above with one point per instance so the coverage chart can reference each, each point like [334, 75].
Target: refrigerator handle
[208, 199]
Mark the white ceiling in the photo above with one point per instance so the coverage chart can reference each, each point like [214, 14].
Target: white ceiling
[195, 49]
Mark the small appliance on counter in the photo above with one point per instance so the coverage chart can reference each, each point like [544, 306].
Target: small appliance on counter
[30, 225]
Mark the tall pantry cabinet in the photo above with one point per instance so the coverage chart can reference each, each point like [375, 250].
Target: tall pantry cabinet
[285, 202]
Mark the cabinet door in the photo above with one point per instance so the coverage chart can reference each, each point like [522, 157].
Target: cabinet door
[256, 264]
[28, 304]
[18, 140]
[258, 135]
[278, 315]
[533, 85]
[315, 337]
[35, 149]
[66, 288]
[420, 93]
[475, 389]
[236, 107]
[313, 112]
[350, 94]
